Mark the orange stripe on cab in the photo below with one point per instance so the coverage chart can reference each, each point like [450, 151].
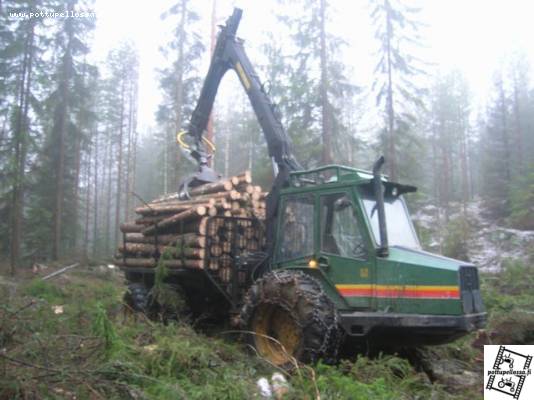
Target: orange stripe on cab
[400, 291]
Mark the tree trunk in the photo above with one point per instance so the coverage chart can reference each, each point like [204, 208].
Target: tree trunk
[392, 159]
[435, 180]
[21, 143]
[77, 163]
[60, 176]
[504, 131]
[187, 239]
[150, 249]
[82, 124]
[193, 212]
[119, 164]
[95, 202]
[134, 155]
[221, 186]
[128, 154]
[108, 200]
[226, 171]
[198, 226]
[518, 130]
[463, 159]
[445, 171]
[209, 130]
[325, 105]
[166, 165]
[87, 206]
[179, 94]
[157, 209]
[150, 262]
[62, 118]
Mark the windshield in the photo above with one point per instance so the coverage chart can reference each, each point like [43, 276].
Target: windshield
[399, 226]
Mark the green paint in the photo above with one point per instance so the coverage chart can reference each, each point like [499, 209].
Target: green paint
[403, 266]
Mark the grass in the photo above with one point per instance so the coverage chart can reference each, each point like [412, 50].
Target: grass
[92, 350]
[509, 299]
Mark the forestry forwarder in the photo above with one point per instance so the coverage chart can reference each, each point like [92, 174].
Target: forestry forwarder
[342, 259]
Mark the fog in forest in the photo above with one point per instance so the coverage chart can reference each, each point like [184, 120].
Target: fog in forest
[91, 106]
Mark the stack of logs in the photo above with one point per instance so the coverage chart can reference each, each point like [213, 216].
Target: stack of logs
[177, 229]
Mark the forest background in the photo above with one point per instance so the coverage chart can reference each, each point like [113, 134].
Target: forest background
[80, 145]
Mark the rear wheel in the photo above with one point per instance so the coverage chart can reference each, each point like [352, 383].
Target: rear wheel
[136, 300]
[164, 304]
[136, 297]
[290, 318]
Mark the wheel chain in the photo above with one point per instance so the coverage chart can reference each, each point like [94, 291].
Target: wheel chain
[332, 337]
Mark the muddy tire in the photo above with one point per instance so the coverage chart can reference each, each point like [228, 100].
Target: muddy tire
[137, 297]
[287, 317]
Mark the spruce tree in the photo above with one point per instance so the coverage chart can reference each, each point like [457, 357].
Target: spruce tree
[179, 83]
[398, 74]
[58, 174]
[316, 83]
[22, 68]
[450, 138]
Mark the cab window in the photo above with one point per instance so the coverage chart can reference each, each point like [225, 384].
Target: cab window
[296, 228]
[340, 230]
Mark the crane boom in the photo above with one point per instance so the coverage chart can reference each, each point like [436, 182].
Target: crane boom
[230, 54]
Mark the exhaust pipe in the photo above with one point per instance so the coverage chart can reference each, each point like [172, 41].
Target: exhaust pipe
[383, 250]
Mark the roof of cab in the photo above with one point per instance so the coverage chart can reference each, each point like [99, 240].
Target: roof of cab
[330, 174]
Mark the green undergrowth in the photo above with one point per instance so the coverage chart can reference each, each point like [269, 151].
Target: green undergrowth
[383, 377]
[70, 338]
[509, 300]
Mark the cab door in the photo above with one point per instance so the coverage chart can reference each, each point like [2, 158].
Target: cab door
[344, 248]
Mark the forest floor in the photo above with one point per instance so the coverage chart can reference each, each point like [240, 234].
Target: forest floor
[69, 338]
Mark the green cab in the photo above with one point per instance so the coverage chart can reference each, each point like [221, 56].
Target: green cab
[328, 227]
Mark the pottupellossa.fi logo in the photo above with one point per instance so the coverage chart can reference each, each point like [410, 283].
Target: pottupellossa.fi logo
[507, 373]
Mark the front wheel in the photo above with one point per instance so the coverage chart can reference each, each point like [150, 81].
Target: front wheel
[288, 317]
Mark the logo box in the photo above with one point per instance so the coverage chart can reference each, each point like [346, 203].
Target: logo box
[507, 372]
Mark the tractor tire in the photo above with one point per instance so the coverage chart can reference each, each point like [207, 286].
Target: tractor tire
[287, 317]
[137, 297]
[140, 299]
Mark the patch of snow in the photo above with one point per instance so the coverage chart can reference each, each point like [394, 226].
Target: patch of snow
[490, 244]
